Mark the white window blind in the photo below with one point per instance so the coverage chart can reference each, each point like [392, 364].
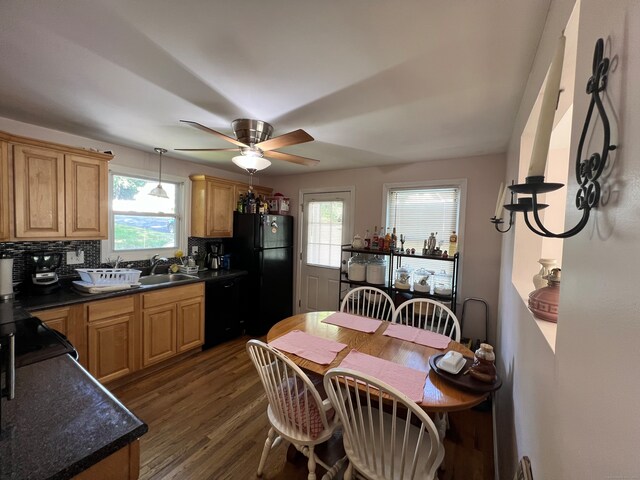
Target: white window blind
[418, 211]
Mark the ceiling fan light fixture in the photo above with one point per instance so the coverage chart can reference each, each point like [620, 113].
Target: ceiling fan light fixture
[159, 191]
[251, 164]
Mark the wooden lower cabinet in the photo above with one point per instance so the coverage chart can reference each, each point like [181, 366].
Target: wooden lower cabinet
[111, 347]
[123, 464]
[111, 333]
[119, 336]
[173, 322]
[70, 322]
[190, 324]
[158, 334]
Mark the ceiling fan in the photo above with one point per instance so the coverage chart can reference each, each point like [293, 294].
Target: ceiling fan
[254, 143]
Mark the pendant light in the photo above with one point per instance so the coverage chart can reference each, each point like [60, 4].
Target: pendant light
[159, 191]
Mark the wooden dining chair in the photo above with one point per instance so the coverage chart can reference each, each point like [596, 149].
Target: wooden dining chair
[430, 315]
[296, 411]
[386, 435]
[368, 302]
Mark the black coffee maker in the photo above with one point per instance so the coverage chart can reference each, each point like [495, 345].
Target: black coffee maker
[42, 267]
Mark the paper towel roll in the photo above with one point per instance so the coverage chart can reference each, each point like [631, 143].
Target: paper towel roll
[6, 277]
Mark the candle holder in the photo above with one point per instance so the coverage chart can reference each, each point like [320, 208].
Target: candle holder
[588, 170]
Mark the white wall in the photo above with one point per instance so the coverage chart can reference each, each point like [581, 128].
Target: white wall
[574, 412]
[480, 247]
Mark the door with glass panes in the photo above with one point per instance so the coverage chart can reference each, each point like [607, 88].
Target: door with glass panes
[326, 226]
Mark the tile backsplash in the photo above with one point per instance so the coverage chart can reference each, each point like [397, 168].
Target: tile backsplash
[91, 249]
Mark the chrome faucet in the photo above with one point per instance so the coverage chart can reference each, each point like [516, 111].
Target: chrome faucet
[155, 260]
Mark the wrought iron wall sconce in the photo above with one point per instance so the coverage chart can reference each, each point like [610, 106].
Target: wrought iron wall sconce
[588, 170]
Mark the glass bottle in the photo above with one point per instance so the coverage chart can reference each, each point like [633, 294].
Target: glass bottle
[240, 204]
[367, 241]
[252, 203]
[453, 244]
[375, 243]
[387, 241]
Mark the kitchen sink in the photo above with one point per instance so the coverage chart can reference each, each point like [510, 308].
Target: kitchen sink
[166, 278]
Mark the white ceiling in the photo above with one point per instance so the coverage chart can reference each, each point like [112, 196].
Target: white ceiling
[376, 82]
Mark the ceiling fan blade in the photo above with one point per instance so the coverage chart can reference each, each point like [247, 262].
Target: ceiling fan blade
[209, 130]
[206, 149]
[291, 138]
[287, 157]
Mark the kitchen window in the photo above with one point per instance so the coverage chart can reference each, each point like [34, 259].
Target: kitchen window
[417, 210]
[141, 225]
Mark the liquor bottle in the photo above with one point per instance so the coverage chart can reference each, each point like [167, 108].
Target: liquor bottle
[261, 209]
[453, 244]
[394, 239]
[375, 245]
[252, 203]
[240, 204]
[387, 241]
[367, 241]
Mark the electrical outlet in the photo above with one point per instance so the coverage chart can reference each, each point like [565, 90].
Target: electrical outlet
[75, 258]
[194, 250]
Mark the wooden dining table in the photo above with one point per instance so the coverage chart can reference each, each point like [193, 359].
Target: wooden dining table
[439, 395]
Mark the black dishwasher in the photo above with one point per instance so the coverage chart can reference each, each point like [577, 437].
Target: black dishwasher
[225, 310]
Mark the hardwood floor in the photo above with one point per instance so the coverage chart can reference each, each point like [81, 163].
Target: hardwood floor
[207, 420]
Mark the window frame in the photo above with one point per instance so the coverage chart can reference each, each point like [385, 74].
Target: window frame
[182, 216]
[460, 183]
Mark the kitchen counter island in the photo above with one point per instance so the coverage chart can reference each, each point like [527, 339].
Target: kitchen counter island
[63, 422]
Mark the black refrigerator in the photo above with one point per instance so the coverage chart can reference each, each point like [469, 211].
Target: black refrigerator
[263, 245]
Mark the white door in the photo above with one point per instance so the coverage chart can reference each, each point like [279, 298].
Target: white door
[326, 226]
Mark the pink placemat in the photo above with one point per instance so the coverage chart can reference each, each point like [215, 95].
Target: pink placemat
[408, 380]
[354, 322]
[417, 335]
[318, 350]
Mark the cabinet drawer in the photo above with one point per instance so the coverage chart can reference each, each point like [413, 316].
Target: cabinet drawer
[110, 308]
[172, 295]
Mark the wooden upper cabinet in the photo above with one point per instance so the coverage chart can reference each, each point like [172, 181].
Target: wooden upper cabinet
[4, 191]
[39, 192]
[212, 205]
[87, 197]
[213, 201]
[58, 191]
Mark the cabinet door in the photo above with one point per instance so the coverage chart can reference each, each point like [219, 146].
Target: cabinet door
[111, 347]
[87, 197]
[190, 324]
[38, 192]
[4, 191]
[158, 334]
[57, 319]
[219, 211]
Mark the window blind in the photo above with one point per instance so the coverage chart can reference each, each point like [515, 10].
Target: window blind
[416, 212]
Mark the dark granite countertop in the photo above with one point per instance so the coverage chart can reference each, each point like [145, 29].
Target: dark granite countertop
[67, 295]
[12, 312]
[61, 422]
